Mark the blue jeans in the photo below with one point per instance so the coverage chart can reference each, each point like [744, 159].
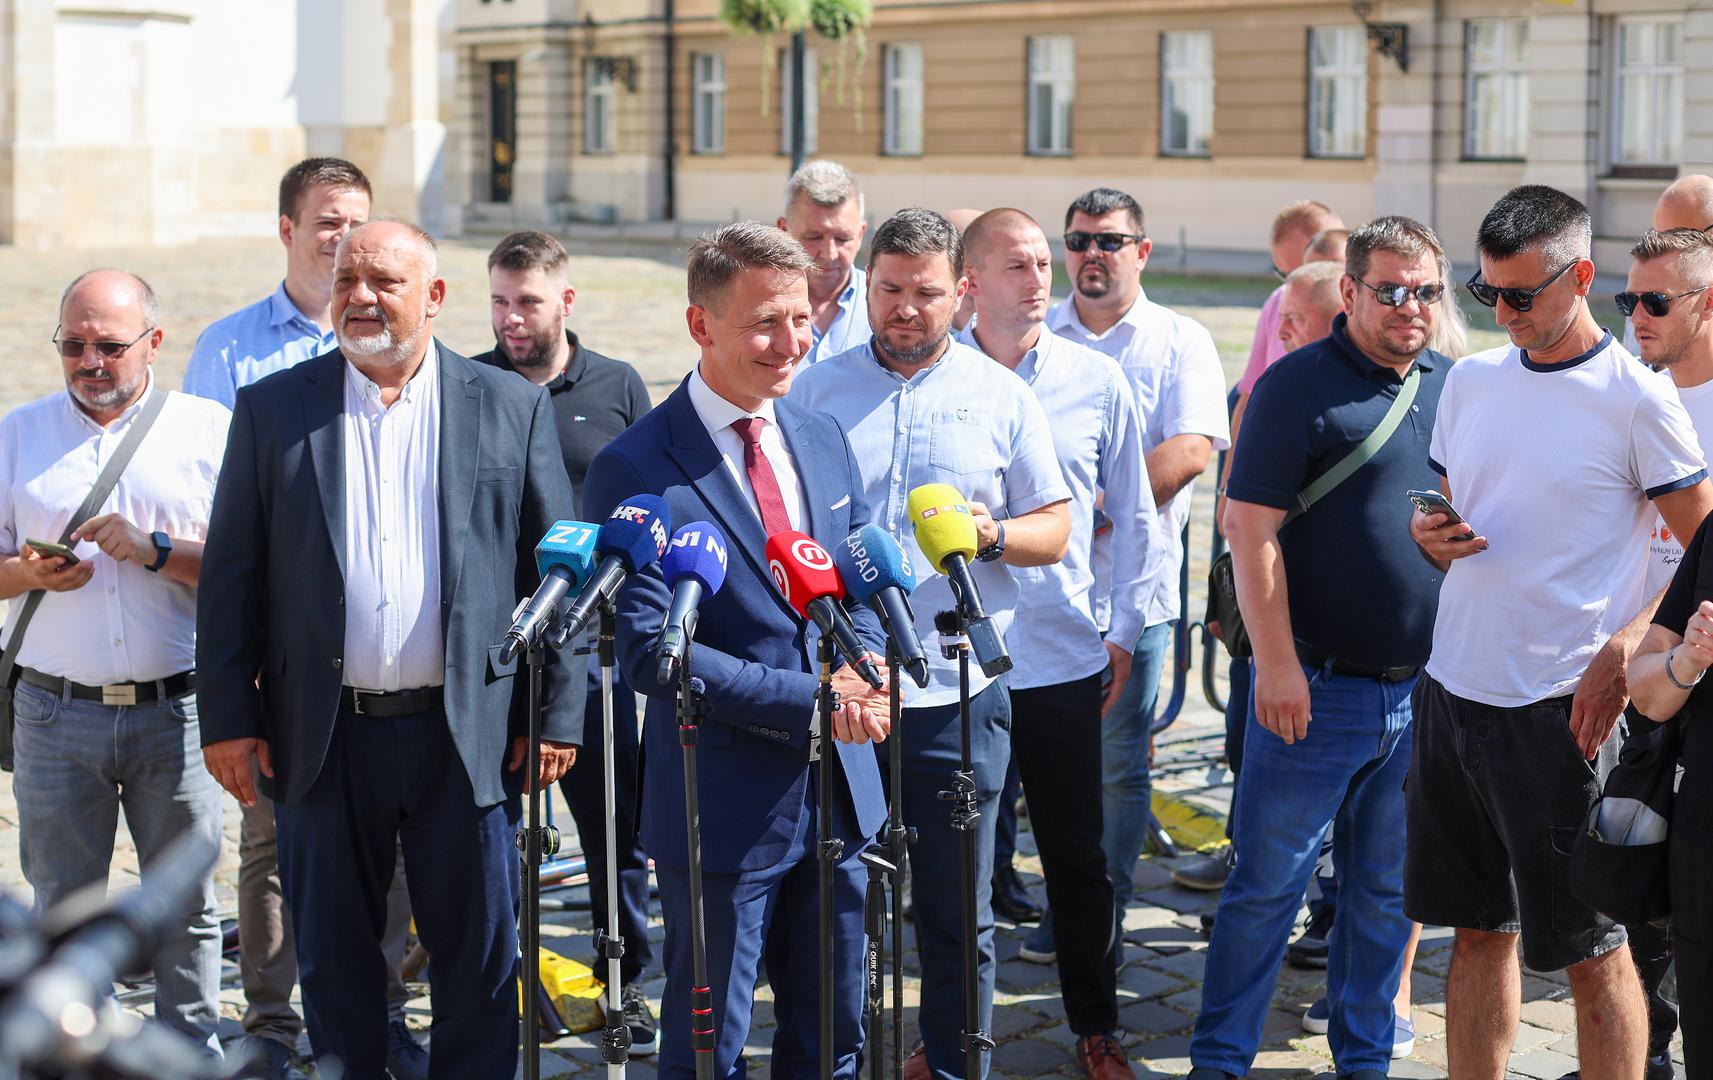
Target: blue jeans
[1351, 768]
[78, 762]
[1124, 761]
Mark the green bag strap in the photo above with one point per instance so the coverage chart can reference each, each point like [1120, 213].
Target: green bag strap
[1365, 451]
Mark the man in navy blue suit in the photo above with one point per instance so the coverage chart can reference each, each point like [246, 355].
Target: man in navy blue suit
[723, 448]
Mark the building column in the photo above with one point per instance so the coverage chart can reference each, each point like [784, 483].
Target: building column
[1698, 88]
[1564, 66]
[413, 146]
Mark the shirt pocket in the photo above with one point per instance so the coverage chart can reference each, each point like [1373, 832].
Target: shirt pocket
[963, 443]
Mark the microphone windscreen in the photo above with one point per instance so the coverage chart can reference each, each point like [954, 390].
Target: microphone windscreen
[870, 560]
[802, 569]
[943, 524]
[636, 532]
[570, 544]
[697, 553]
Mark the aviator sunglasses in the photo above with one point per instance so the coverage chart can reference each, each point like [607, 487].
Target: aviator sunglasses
[1654, 303]
[73, 348]
[1393, 295]
[1106, 241]
[1518, 299]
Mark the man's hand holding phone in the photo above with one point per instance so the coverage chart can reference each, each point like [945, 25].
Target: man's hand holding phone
[1440, 531]
[53, 573]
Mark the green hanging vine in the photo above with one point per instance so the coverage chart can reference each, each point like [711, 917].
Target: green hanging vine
[764, 17]
[845, 22]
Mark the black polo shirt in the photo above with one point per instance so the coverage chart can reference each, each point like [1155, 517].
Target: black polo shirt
[1359, 588]
[594, 399]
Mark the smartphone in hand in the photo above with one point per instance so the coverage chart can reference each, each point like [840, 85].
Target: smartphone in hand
[49, 550]
[1432, 502]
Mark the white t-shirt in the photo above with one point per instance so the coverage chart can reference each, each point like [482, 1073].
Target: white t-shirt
[1555, 465]
[1665, 549]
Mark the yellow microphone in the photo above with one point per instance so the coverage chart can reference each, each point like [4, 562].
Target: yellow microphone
[946, 533]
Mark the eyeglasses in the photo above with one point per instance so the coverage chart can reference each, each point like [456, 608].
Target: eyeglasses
[1518, 299]
[1654, 303]
[1106, 241]
[1278, 273]
[73, 348]
[1394, 295]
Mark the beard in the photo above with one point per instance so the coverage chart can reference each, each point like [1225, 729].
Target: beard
[384, 346]
[542, 346]
[912, 355]
[1094, 281]
[121, 392]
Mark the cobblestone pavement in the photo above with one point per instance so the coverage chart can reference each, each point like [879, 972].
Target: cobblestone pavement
[629, 305]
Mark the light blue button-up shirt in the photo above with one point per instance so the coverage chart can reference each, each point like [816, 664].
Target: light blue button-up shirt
[252, 343]
[1097, 436]
[849, 327]
[966, 421]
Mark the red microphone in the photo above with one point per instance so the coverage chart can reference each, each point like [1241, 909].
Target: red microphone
[805, 575]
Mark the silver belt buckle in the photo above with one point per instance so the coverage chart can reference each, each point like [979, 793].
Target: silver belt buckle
[119, 694]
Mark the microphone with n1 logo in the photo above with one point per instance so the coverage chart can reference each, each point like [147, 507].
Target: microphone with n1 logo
[876, 572]
[695, 567]
[945, 531]
[564, 558]
[804, 572]
[633, 537]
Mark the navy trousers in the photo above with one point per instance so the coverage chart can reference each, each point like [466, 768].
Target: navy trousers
[386, 783]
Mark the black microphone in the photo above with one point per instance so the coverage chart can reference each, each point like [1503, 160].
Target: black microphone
[876, 572]
[695, 566]
[564, 558]
[634, 536]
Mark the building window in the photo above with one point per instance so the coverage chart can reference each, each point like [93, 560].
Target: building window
[1052, 88]
[1338, 91]
[1496, 91]
[903, 75]
[708, 91]
[1186, 92]
[811, 102]
[1647, 93]
[597, 106]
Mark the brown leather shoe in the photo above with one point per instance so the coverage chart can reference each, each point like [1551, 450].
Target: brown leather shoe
[916, 1065]
[1102, 1058]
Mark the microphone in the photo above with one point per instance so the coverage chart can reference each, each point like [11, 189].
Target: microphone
[695, 566]
[633, 538]
[563, 558]
[876, 572]
[945, 532]
[804, 572]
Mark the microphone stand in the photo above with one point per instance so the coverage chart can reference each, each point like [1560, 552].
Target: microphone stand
[885, 862]
[615, 1037]
[965, 814]
[535, 842]
[702, 1039]
[830, 849]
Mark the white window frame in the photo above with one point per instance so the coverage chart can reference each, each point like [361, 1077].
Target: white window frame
[903, 99]
[1349, 71]
[811, 102]
[1508, 74]
[1052, 68]
[599, 111]
[1665, 93]
[1190, 88]
[708, 103]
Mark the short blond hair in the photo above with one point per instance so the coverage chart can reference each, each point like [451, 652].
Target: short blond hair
[1305, 216]
[717, 258]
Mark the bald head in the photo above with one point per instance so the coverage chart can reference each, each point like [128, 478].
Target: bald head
[989, 230]
[108, 310]
[1309, 303]
[961, 218]
[115, 292]
[1686, 204]
[386, 293]
[1010, 267]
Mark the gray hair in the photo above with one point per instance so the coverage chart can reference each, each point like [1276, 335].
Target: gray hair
[145, 292]
[824, 183]
[916, 232]
[1399, 235]
[717, 258]
[1319, 280]
[424, 242]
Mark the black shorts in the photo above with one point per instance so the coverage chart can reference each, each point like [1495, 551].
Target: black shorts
[1495, 798]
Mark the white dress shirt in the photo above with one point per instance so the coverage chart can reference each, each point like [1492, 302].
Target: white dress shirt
[127, 624]
[393, 635]
[718, 415]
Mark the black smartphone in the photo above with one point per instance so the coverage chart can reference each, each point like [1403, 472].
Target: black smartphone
[48, 550]
[1432, 502]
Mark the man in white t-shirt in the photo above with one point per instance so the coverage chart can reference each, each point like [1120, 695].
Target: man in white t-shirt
[1552, 448]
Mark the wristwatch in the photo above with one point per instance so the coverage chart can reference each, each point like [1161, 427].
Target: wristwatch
[163, 551]
[994, 550]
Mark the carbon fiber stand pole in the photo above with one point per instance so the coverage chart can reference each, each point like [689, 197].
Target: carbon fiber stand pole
[885, 862]
[898, 839]
[965, 815]
[830, 849]
[535, 842]
[615, 1037]
[702, 1039]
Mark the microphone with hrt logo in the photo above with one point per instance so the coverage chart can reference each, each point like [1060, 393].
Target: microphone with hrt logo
[633, 537]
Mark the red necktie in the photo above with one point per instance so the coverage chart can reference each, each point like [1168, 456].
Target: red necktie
[762, 480]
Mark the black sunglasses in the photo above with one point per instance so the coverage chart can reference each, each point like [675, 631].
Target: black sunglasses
[1106, 241]
[1654, 303]
[73, 348]
[1518, 299]
[1393, 295]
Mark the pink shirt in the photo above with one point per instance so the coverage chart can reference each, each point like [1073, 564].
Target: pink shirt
[1267, 348]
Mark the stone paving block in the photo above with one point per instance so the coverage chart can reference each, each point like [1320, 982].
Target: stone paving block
[1180, 899]
[1171, 1053]
[1411, 1069]
[1557, 1016]
[1151, 874]
[1427, 1023]
[1530, 1038]
[1142, 981]
[1022, 975]
[1287, 1063]
[1169, 938]
[1058, 1035]
[1542, 1064]
[1430, 1051]
[1014, 1019]
[1187, 1001]
[1187, 965]
[1028, 1057]
[1146, 1019]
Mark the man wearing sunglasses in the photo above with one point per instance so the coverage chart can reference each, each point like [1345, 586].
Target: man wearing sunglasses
[1686, 203]
[1174, 369]
[1558, 449]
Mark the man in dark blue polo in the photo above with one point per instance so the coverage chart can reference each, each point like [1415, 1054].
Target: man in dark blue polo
[1340, 608]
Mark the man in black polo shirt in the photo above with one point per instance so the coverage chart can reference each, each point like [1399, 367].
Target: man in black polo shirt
[1340, 608]
[594, 398]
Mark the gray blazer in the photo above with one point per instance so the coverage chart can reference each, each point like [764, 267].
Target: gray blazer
[271, 598]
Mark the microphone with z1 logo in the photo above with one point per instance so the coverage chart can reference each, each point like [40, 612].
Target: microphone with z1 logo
[945, 531]
[695, 567]
[804, 573]
[564, 558]
[633, 537]
[876, 572]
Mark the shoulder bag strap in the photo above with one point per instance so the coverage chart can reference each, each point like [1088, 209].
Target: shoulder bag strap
[1365, 451]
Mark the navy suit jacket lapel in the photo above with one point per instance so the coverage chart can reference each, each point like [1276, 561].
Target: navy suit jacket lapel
[324, 429]
[812, 469]
[460, 448]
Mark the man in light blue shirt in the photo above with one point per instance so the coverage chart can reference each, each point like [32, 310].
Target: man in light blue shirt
[824, 213]
[920, 408]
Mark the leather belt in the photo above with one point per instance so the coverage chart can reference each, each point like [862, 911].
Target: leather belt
[392, 702]
[1314, 657]
[138, 693]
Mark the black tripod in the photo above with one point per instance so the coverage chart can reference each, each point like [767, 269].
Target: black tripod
[615, 1037]
[702, 1039]
[954, 644]
[885, 862]
[535, 843]
[829, 849]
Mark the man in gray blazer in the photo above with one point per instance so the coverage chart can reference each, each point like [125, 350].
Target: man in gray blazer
[371, 534]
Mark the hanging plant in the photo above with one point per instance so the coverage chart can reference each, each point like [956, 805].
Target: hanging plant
[845, 22]
[764, 17]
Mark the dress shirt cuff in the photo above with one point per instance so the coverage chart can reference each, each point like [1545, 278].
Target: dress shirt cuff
[1126, 625]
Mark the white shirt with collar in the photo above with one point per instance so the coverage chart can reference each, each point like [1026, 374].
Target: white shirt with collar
[718, 415]
[393, 634]
[127, 624]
